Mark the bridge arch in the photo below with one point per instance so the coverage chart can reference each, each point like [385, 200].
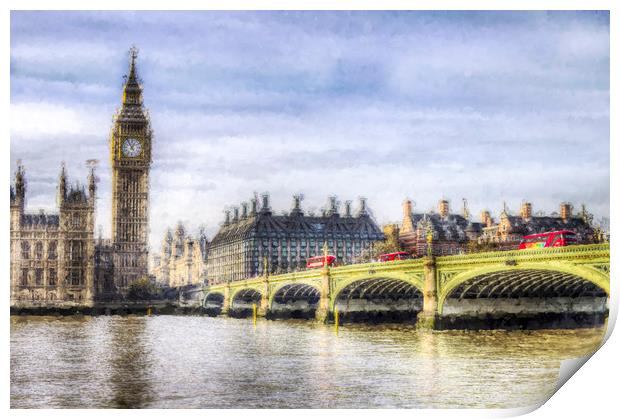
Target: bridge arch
[380, 297]
[555, 290]
[245, 295]
[213, 303]
[242, 300]
[296, 300]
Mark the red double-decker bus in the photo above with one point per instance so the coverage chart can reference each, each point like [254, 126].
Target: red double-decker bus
[319, 261]
[394, 256]
[550, 239]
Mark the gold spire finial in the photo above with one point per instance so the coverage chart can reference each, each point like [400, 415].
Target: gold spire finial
[132, 76]
[133, 53]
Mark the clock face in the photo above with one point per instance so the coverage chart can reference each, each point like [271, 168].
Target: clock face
[132, 147]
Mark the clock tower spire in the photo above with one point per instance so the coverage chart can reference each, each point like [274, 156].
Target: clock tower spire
[130, 155]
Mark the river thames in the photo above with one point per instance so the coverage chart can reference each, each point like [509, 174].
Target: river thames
[203, 362]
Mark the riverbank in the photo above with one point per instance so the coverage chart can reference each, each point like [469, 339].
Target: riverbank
[125, 308]
[507, 321]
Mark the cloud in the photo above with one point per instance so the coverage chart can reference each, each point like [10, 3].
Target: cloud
[490, 106]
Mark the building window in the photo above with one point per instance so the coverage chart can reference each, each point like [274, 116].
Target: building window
[24, 278]
[52, 250]
[76, 277]
[52, 277]
[25, 250]
[75, 221]
[38, 276]
[76, 250]
[38, 251]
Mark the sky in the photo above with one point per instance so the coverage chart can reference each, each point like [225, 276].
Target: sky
[493, 107]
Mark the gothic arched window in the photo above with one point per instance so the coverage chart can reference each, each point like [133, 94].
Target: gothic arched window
[38, 276]
[52, 250]
[24, 277]
[25, 250]
[51, 280]
[75, 220]
[38, 251]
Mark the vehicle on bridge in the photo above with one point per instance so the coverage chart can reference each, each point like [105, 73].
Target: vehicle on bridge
[388, 257]
[549, 239]
[320, 261]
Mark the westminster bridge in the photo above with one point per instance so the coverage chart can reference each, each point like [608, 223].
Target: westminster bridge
[440, 292]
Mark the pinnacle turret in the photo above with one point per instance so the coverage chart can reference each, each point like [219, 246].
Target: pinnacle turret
[18, 194]
[62, 184]
[91, 185]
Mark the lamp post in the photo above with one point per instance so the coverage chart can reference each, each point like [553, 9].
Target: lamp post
[429, 240]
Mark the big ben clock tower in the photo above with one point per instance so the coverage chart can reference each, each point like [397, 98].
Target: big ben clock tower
[130, 154]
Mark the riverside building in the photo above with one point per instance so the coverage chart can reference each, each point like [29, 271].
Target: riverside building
[511, 228]
[182, 260]
[55, 260]
[450, 232]
[251, 236]
[52, 254]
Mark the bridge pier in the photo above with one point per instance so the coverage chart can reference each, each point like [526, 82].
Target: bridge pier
[322, 310]
[263, 306]
[427, 318]
[226, 302]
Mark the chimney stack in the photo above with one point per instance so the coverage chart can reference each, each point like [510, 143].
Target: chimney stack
[526, 210]
[565, 211]
[244, 210]
[265, 206]
[363, 211]
[235, 214]
[444, 208]
[485, 218]
[407, 208]
[333, 206]
[407, 212]
[297, 205]
[347, 208]
[254, 204]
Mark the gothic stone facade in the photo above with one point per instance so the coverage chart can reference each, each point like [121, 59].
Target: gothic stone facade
[243, 244]
[52, 255]
[183, 259]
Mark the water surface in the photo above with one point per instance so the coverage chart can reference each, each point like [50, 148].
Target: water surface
[202, 362]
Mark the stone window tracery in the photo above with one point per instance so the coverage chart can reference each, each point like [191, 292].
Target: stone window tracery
[52, 277]
[38, 251]
[25, 250]
[38, 276]
[24, 277]
[52, 250]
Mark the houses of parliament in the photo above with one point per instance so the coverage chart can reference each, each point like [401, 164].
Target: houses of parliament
[55, 258]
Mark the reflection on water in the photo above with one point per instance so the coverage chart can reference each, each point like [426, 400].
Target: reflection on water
[190, 362]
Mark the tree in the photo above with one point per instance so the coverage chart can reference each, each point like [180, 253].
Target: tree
[486, 246]
[390, 245]
[143, 289]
